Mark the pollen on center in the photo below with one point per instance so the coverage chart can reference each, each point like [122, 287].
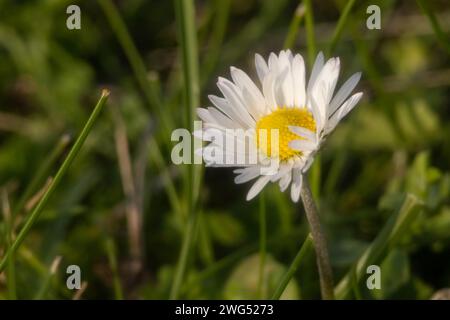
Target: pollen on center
[281, 119]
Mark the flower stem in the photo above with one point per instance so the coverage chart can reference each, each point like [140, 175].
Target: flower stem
[320, 244]
[262, 244]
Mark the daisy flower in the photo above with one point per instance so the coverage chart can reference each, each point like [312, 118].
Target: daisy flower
[302, 114]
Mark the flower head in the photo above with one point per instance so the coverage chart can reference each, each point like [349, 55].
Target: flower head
[284, 120]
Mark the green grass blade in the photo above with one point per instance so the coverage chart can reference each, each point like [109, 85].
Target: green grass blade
[396, 226]
[443, 39]
[149, 87]
[310, 37]
[227, 261]
[137, 64]
[55, 182]
[299, 13]
[42, 173]
[169, 186]
[112, 260]
[256, 29]
[304, 250]
[222, 8]
[28, 257]
[185, 15]
[340, 26]
[48, 279]
[9, 231]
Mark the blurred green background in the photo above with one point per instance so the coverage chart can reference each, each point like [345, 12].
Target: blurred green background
[118, 213]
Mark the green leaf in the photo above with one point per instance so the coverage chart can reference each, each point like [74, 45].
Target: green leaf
[243, 281]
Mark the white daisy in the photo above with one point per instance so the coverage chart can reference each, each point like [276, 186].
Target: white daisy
[303, 114]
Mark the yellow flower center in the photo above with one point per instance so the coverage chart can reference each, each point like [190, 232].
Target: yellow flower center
[281, 119]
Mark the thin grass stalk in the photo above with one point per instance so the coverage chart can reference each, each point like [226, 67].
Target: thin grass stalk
[310, 37]
[137, 63]
[9, 231]
[48, 279]
[55, 182]
[340, 26]
[299, 13]
[112, 260]
[302, 253]
[216, 40]
[443, 39]
[185, 15]
[42, 173]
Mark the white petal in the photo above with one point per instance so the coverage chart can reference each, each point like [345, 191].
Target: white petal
[343, 111]
[284, 168]
[283, 60]
[247, 174]
[349, 105]
[229, 91]
[269, 92]
[309, 161]
[302, 145]
[323, 88]
[289, 55]
[317, 67]
[296, 186]
[212, 117]
[315, 110]
[222, 119]
[303, 132]
[273, 63]
[253, 98]
[343, 92]
[204, 115]
[285, 181]
[284, 87]
[223, 105]
[261, 67]
[298, 75]
[257, 187]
